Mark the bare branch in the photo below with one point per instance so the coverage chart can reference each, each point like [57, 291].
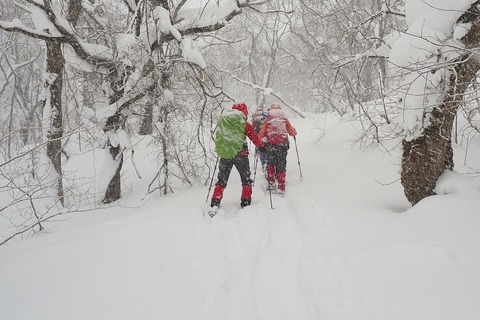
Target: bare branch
[265, 90]
[39, 145]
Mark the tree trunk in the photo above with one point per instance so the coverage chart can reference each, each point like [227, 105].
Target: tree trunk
[146, 127]
[115, 122]
[55, 66]
[426, 158]
[114, 188]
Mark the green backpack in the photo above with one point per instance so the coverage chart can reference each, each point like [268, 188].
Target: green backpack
[230, 134]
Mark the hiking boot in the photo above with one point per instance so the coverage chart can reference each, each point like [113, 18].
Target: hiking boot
[215, 203]
[245, 202]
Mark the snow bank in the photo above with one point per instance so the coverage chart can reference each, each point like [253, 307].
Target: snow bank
[343, 244]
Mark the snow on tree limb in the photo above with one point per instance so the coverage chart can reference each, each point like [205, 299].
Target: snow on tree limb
[210, 17]
[266, 91]
[63, 36]
[420, 59]
[17, 26]
[141, 89]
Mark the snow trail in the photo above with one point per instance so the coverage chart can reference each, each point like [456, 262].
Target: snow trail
[339, 246]
[257, 275]
[272, 264]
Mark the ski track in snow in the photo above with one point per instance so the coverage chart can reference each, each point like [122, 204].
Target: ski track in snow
[271, 265]
[322, 276]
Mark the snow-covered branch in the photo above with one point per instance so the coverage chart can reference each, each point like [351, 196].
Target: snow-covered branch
[17, 26]
[212, 17]
[266, 91]
[142, 87]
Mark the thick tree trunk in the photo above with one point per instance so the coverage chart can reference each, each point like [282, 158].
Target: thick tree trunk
[426, 158]
[55, 67]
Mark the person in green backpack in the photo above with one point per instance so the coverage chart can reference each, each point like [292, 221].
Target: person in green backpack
[232, 148]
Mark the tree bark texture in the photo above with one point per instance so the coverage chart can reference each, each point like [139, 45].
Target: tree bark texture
[114, 188]
[114, 122]
[426, 158]
[55, 65]
[146, 127]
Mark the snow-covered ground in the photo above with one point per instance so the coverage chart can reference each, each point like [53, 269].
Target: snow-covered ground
[343, 244]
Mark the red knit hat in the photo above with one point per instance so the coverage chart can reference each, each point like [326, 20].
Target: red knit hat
[241, 107]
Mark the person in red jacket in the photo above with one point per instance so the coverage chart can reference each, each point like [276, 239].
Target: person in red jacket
[259, 117]
[240, 161]
[275, 131]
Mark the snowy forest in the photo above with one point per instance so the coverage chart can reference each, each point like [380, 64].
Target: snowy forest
[110, 105]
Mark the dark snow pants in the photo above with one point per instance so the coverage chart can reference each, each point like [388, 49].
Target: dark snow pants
[277, 164]
[277, 156]
[226, 165]
[224, 169]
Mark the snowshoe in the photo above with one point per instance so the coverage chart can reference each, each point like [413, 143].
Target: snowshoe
[271, 187]
[212, 211]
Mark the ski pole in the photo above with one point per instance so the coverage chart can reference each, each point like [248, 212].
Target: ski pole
[255, 167]
[270, 192]
[268, 182]
[298, 158]
[211, 181]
